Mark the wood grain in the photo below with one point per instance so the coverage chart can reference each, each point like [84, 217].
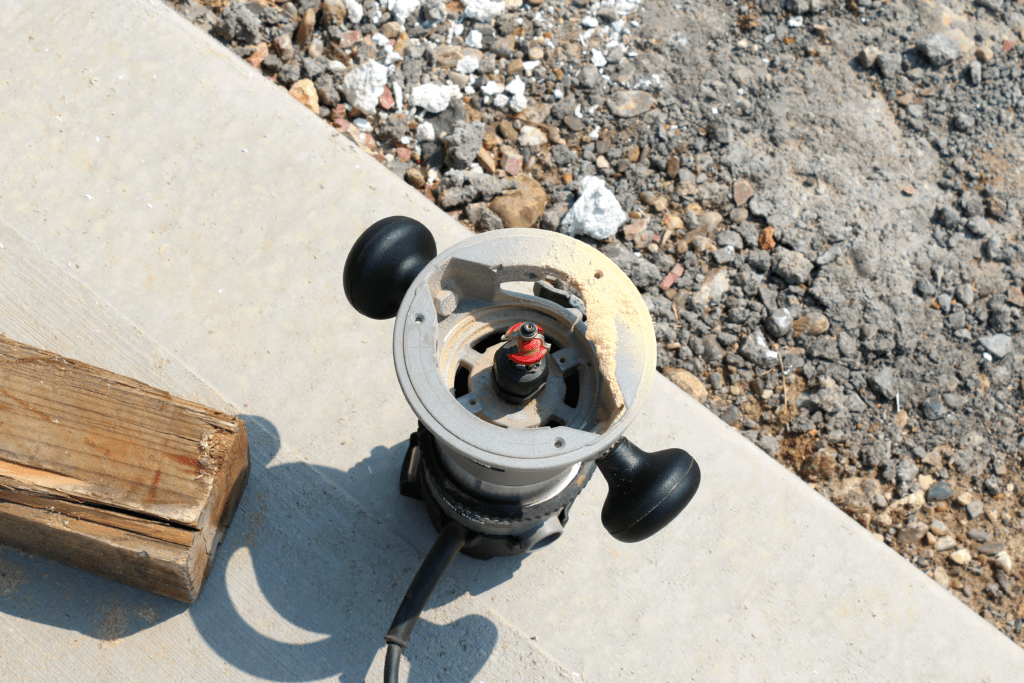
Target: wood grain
[106, 473]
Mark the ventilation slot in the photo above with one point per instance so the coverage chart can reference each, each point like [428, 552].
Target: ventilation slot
[461, 387]
[572, 388]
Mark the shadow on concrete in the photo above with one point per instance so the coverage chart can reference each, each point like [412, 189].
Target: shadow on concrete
[304, 585]
[329, 576]
[46, 592]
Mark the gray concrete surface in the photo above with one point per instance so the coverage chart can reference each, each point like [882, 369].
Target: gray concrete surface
[168, 214]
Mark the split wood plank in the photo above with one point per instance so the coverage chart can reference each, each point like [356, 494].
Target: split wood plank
[105, 473]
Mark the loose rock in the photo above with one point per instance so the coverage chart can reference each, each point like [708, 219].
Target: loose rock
[999, 345]
[523, 207]
[630, 103]
[939, 49]
[596, 213]
[939, 491]
[305, 92]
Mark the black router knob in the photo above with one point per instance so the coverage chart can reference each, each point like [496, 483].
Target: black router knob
[645, 490]
[383, 262]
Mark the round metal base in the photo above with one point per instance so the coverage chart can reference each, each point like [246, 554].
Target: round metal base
[500, 529]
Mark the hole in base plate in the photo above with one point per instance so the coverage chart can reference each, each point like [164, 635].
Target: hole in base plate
[461, 387]
[572, 388]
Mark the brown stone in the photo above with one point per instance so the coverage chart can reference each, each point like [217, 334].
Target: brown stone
[813, 324]
[522, 207]
[508, 131]
[401, 42]
[672, 167]
[391, 29]
[514, 67]
[688, 382]
[258, 55]
[304, 33]
[414, 176]
[633, 154]
[742, 191]
[447, 56]
[491, 140]
[283, 47]
[819, 467]
[852, 496]
[486, 160]
[333, 12]
[672, 222]
[304, 91]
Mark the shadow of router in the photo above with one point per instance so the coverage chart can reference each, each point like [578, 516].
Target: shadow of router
[303, 588]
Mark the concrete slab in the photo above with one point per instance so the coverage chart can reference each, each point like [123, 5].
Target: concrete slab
[169, 214]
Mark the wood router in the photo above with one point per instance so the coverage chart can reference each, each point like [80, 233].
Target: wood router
[105, 473]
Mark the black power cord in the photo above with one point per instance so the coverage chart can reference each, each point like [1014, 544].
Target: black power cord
[448, 544]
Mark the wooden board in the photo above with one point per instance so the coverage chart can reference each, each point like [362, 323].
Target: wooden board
[105, 473]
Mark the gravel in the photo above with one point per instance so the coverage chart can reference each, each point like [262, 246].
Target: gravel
[820, 203]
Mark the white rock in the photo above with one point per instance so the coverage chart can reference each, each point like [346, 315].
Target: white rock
[589, 22]
[596, 213]
[530, 136]
[363, 125]
[597, 57]
[795, 22]
[491, 88]
[432, 97]
[1003, 561]
[364, 85]
[396, 90]
[334, 66]
[467, 65]
[531, 65]
[961, 557]
[355, 11]
[484, 10]
[403, 9]
[712, 288]
[425, 132]
[915, 501]
[475, 39]
[517, 91]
